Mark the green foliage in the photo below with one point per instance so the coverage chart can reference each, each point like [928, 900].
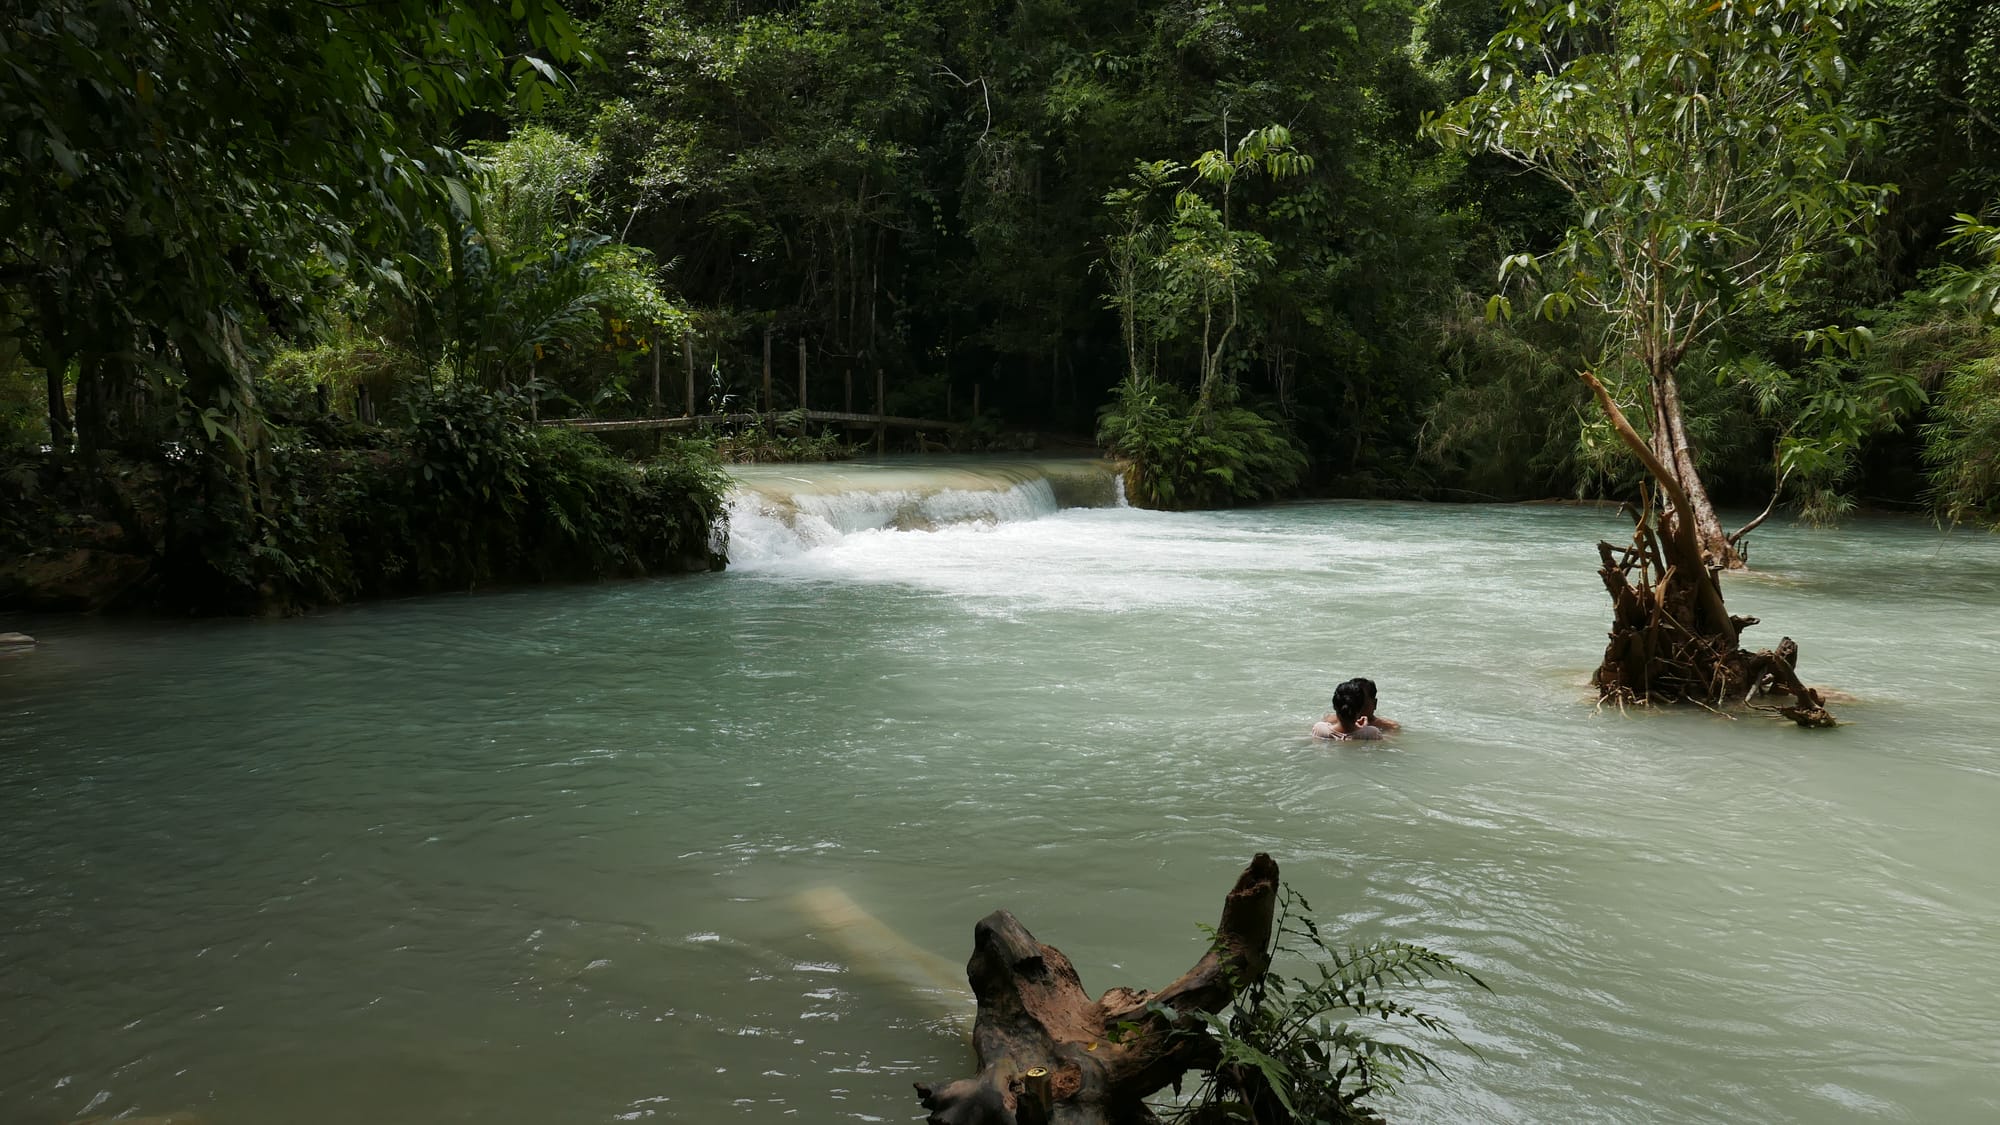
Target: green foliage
[516, 287]
[1709, 155]
[1828, 410]
[347, 359]
[920, 186]
[494, 313]
[1962, 441]
[24, 410]
[155, 218]
[1511, 421]
[1192, 266]
[1319, 1047]
[1925, 355]
[783, 440]
[538, 190]
[1184, 455]
[1929, 72]
[1707, 151]
[473, 494]
[946, 191]
[462, 493]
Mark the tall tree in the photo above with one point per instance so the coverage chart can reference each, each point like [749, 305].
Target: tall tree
[1708, 153]
[1709, 156]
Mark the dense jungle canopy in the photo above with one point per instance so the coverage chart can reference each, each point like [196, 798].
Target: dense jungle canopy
[1358, 247]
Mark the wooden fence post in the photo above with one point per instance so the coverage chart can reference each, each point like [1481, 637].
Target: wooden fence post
[881, 415]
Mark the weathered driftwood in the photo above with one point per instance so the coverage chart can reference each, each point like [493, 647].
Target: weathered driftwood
[1050, 1055]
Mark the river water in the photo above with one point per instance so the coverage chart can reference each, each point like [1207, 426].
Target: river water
[710, 848]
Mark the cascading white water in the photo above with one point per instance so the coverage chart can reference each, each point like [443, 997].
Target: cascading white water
[781, 512]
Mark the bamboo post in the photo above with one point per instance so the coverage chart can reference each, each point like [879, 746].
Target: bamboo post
[768, 403]
[802, 385]
[687, 349]
[847, 378]
[881, 415]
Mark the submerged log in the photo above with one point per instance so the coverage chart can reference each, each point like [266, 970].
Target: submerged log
[1050, 1055]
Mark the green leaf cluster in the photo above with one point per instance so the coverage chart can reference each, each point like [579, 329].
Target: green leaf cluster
[1182, 454]
[1320, 1047]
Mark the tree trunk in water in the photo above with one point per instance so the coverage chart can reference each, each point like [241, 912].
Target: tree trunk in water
[1716, 549]
[1672, 639]
[1049, 1055]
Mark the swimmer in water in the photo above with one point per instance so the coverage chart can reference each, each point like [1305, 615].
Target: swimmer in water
[1353, 718]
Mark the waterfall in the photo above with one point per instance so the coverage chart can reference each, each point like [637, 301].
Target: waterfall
[782, 511]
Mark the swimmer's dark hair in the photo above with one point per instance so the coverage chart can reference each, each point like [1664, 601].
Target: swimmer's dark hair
[1351, 699]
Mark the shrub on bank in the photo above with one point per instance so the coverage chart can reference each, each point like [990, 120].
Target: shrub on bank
[465, 494]
[784, 440]
[1183, 455]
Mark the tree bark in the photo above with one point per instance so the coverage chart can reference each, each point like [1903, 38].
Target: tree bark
[1716, 548]
[1049, 1055]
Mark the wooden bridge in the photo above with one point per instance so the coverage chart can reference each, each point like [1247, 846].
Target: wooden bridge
[799, 417]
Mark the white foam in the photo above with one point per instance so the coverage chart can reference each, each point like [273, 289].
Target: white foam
[777, 517]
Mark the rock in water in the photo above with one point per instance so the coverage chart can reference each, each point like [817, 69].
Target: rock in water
[15, 640]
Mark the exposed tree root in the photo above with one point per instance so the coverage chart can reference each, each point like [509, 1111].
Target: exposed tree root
[1670, 640]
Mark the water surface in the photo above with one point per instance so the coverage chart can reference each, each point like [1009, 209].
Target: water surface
[568, 855]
